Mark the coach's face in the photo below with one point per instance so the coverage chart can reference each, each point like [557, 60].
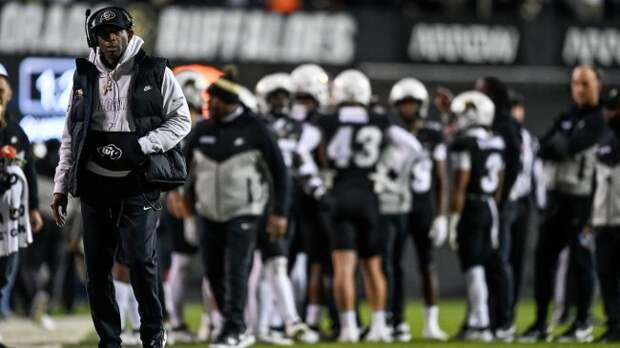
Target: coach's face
[113, 42]
[585, 86]
[219, 108]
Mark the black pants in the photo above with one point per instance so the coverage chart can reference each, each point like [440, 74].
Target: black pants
[128, 224]
[227, 254]
[563, 224]
[6, 268]
[272, 248]
[393, 231]
[499, 271]
[355, 222]
[519, 220]
[608, 262]
[419, 224]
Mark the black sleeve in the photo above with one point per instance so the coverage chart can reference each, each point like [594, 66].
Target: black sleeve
[188, 152]
[556, 146]
[510, 133]
[587, 136]
[277, 168]
[29, 171]
[190, 143]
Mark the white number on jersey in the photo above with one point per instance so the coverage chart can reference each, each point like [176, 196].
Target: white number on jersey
[422, 176]
[493, 165]
[340, 148]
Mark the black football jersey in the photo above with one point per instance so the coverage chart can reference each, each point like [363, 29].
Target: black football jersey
[481, 152]
[353, 140]
[432, 139]
[288, 131]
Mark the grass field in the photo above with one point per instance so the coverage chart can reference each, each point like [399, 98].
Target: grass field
[451, 316]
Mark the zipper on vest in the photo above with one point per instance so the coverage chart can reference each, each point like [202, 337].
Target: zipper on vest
[217, 191]
[249, 190]
[132, 84]
[87, 109]
[610, 189]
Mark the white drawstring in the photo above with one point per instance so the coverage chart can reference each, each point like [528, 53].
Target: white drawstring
[494, 223]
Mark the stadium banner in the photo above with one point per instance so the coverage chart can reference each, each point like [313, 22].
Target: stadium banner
[38, 42]
[465, 43]
[596, 45]
[211, 35]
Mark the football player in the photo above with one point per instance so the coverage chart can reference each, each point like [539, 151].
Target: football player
[352, 142]
[427, 220]
[311, 96]
[474, 220]
[274, 94]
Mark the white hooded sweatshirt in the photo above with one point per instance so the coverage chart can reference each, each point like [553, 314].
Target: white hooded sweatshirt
[111, 111]
[15, 231]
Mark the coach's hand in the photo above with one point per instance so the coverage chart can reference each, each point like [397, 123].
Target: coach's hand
[36, 221]
[276, 226]
[59, 208]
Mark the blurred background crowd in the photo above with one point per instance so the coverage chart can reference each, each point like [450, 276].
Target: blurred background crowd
[538, 41]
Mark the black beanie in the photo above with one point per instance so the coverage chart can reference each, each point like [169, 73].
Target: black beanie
[226, 87]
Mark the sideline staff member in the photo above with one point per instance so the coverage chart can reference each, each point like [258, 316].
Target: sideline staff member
[235, 167]
[126, 108]
[606, 217]
[569, 151]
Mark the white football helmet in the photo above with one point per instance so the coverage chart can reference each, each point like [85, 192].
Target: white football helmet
[410, 88]
[311, 79]
[248, 98]
[271, 83]
[473, 108]
[351, 86]
[193, 85]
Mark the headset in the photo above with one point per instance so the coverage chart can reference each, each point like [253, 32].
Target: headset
[91, 40]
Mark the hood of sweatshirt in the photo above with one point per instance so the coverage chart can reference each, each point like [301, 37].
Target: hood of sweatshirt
[112, 113]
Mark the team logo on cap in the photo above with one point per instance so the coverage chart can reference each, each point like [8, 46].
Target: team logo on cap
[107, 16]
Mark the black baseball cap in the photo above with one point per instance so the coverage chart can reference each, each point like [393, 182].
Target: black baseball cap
[111, 16]
[611, 99]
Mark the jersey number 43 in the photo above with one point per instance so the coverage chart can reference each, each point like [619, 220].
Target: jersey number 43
[363, 146]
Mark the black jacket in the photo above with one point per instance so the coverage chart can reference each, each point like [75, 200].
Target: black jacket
[569, 148]
[236, 168]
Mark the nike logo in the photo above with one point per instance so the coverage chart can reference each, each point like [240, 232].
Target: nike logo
[146, 208]
[147, 88]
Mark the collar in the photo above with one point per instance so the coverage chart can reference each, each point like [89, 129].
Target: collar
[233, 115]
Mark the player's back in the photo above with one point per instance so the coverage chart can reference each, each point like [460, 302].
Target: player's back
[353, 139]
[479, 151]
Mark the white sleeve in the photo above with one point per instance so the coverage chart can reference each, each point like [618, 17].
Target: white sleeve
[177, 122]
[405, 141]
[310, 138]
[440, 153]
[64, 152]
[461, 160]
[307, 171]
[538, 174]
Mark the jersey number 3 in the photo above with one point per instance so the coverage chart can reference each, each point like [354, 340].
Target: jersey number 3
[493, 165]
[341, 148]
